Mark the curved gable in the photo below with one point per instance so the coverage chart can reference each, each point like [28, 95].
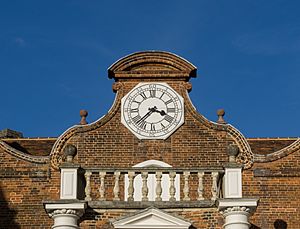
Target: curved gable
[152, 63]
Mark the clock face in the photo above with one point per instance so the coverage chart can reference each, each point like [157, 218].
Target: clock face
[152, 110]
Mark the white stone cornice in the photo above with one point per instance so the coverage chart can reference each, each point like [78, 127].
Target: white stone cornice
[250, 203]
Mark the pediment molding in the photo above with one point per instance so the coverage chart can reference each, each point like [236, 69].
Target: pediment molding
[151, 218]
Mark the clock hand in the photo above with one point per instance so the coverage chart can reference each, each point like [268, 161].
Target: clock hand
[162, 112]
[151, 110]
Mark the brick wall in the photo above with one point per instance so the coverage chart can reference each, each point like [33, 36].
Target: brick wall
[107, 143]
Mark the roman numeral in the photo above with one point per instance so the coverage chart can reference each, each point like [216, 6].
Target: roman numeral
[152, 127]
[134, 110]
[162, 95]
[143, 124]
[143, 95]
[162, 125]
[152, 93]
[134, 101]
[136, 118]
[169, 101]
[170, 110]
[168, 118]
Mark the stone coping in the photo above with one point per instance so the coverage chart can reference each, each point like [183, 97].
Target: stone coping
[147, 204]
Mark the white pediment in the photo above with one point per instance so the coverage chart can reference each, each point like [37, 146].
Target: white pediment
[151, 218]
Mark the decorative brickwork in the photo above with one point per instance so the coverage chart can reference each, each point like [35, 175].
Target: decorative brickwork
[14, 152]
[278, 154]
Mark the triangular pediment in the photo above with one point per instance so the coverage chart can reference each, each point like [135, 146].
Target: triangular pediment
[151, 218]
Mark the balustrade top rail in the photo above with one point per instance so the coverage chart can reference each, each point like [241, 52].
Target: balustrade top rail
[220, 170]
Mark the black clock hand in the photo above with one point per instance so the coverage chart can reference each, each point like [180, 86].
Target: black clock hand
[151, 110]
[162, 112]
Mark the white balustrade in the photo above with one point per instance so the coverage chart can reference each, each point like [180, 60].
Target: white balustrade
[172, 186]
[116, 186]
[158, 189]
[214, 187]
[144, 187]
[115, 183]
[87, 190]
[131, 176]
[200, 186]
[102, 185]
[186, 189]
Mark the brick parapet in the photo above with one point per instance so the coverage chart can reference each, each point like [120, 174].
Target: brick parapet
[21, 155]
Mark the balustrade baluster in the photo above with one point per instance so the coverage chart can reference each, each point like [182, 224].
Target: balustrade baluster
[158, 189]
[131, 176]
[116, 186]
[214, 187]
[145, 186]
[87, 189]
[186, 188]
[172, 188]
[200, 186]
[102, 186]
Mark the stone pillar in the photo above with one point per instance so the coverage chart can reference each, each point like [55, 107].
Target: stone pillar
[234, 208]
[69, 208]
[236, 212]
[65, 215]
[232, 181]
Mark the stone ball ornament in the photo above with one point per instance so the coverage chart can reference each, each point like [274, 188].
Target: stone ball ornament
[70, 152]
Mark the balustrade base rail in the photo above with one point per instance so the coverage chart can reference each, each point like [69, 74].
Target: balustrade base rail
[145, 204]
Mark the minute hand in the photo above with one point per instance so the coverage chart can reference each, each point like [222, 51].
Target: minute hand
[151, 110]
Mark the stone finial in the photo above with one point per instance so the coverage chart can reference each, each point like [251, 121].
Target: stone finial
[232, 151]
[83, 115]
[221, 114]
[70, 152]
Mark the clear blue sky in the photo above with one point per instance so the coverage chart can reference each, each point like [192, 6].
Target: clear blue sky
[54, 57]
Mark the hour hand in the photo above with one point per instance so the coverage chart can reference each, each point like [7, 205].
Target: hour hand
[162, 112]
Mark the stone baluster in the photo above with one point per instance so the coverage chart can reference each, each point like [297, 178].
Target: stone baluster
[144, 186]
[131, 175]
[214, 187]
[186, 188]
[172, 188]
[200, 186]
[87, 189]
[102, 186]
[116, 186]
[158, 189]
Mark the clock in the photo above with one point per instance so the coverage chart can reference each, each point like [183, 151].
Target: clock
[152, 110]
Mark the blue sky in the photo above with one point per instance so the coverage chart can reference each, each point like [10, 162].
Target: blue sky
[54, 57]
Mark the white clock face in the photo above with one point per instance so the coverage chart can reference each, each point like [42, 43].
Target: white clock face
[152, 110]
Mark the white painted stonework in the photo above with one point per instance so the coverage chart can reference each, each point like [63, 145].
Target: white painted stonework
[151, 218]
[151, 182]
[233, 183]
[236, 212]
[68, 185]
[65, 216]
